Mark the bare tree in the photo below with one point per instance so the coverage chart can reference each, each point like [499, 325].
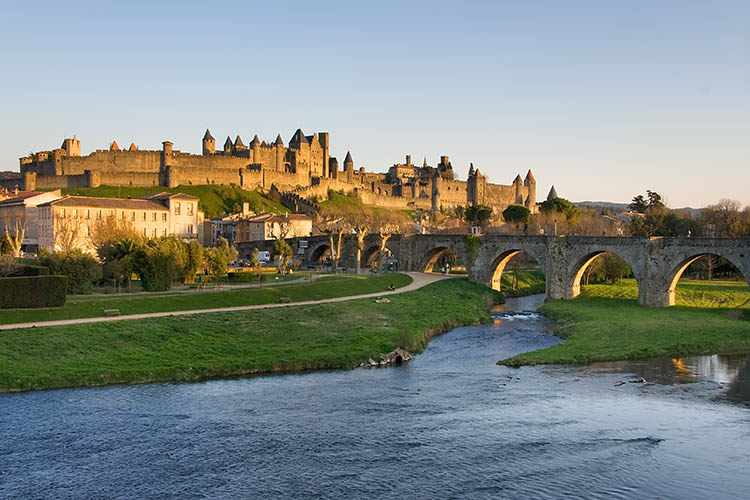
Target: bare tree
[15, 235]
[361, 221]
[333, 223]
[386, 224]
[70, 234]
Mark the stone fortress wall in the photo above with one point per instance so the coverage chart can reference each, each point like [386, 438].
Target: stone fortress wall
[303, 167]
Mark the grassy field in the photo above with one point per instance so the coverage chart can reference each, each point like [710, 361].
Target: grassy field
[214, 200]
[530, 282]
[93, 306]
[188, 348]
[607, 324]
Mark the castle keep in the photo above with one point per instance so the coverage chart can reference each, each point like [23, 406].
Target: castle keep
[302, 171]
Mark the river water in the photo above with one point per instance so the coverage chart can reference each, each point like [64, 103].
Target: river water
[449, 424]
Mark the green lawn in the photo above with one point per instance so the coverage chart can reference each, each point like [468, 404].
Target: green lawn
[93, 306]
[188, 348]
[607, 324]
[530, 282]
[214, 200]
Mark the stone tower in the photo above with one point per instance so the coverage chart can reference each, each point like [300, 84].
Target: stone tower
[552, 194]
[228, 146]
[280, 153]
[72, 146]
[325, 145]
[530, 185]
[209, 143]
[349, 167]
[518, 190]
[436, 184]
[333, 166]
[475, 187]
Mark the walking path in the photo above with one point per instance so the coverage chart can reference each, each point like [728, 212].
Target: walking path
[418, 281]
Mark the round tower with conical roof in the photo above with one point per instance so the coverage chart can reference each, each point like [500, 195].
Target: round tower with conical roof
[530, 185]
[349, 167]
[209, 143]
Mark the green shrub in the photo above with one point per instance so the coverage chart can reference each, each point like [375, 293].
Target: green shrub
[27, 270]
[81, 269]
[29, 292]
[156, 267]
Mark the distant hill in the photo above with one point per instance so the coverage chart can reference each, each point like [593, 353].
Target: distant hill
[616, 207]
[623, 207]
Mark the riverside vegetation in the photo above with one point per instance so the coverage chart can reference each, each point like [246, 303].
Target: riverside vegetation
[607, 324]
[203, 346]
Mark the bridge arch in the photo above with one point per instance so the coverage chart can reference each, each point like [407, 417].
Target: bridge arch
[668, 285]
[430, 258]
[583, 262]
[501, 261]
[319, 252]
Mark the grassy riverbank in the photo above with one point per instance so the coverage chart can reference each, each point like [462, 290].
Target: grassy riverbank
[94, 306]
[529, 282]
[607, 324]
[189, 348]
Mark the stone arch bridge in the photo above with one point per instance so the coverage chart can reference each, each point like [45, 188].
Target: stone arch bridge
[656, 263]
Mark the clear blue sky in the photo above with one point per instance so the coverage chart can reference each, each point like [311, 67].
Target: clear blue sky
[603, 99]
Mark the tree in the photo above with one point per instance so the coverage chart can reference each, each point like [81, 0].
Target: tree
[255, 264]
[386, 224]
[724, 219]
[478, 215]
[156, 266]
[282, 252]
[5, 247]
[70, 234]
[517, 215]
[8, 265]
[81, 269]
[561, 206]
[109, 230]
[331, 221]
[193, 261]
[361, 220]
[639, 204]
[14, 237]
[607, 268]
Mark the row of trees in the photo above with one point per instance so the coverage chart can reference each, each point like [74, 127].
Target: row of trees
[360, 221]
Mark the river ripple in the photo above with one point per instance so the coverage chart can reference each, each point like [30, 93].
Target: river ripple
[449, 424]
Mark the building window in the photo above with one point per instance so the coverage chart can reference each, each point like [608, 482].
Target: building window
[153, 233]
[87, 216]
[164, 232]
[143, 216]
[144, 232]
[132, 215]
[164, 217]
[190, 229]
[122, 215]
[153, 217]
[177, 209]
[190, 209]
[98, 215]
[74, 213]
[62, 212]
[110, 213]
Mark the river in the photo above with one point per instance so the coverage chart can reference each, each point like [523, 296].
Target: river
[448, 424]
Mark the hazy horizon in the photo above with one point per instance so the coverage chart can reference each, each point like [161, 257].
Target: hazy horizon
[603, 100]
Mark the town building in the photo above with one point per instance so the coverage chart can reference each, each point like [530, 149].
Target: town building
[71, 221]
[273, 226]
[19, 213]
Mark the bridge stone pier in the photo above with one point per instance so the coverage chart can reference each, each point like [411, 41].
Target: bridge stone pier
[656, 263]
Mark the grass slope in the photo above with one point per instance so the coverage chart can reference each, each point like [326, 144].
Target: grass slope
[530, 282]
[607, 324]
[93, 306]
[188, 348]
[214, 200]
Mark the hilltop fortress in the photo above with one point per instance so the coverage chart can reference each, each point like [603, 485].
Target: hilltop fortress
[301, 171]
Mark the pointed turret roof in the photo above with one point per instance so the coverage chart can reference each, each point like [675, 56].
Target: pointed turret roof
[279, 141]
[348, 158]
[298, 138]
[518, 179]
[424, 163]
[471, 169]
[238, 142]
[552, 194]
[133, 147]
[207, 136]
[332, 160]
[114, 146]
[530, 176]
[255, 141]
[228, 143]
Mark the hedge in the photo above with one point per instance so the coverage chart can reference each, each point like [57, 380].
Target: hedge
[31, 292]
[29, 270]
